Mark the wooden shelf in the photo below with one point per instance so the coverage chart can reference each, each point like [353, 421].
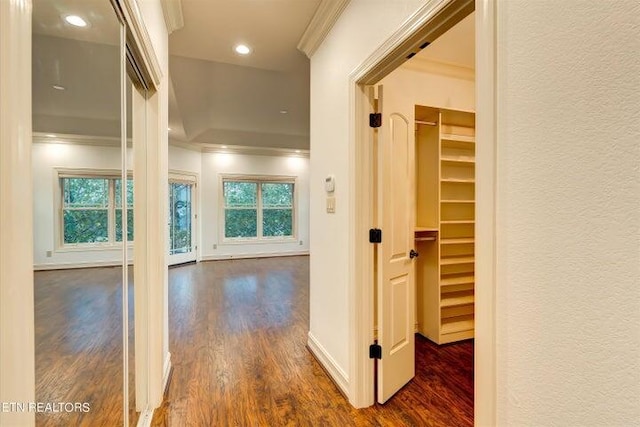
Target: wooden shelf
[459, 326]
[458, 138]
[457, 201]
[457, 260]
[457, 280]
[458, 221]
[458, 159]
[459, 180]
[423, 229]
[454, 301]
[445, 197]
[458, 241]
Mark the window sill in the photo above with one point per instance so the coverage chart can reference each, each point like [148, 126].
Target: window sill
[91, 247]
[256, 241]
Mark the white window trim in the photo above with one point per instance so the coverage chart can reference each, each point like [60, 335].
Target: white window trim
[59, 174]
[259, 239]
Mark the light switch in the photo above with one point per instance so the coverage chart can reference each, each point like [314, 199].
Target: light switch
[331, 204]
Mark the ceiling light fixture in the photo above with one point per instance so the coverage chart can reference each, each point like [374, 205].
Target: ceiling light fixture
[283, 111]
[224, 146]
[50, 135]
[169, 129]
[242, 49]
[59, 87]
[75, 20]
[297, 151]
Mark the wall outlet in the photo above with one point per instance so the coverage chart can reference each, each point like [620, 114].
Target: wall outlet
[49, 254]
[300, 243]
[215, 246]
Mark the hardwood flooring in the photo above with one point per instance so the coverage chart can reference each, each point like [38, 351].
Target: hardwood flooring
[237, 331]
[78, 343]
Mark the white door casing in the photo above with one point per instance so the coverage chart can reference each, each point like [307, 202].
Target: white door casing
[396, 277]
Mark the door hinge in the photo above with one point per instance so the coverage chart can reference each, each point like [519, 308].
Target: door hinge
[375, 351]
[375, 235]
[375, 120]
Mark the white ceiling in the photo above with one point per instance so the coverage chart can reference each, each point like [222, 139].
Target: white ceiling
[455, 47]
[85, 61]
[215, 96]
[272, 28]
[221, 97]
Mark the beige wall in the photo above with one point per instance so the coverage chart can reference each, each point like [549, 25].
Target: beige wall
[568, 212]
[568, 307]
[363, 26]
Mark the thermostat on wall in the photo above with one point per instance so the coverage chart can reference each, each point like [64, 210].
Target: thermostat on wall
[330, 184]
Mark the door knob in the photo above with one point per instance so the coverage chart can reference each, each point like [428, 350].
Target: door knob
[413, 254]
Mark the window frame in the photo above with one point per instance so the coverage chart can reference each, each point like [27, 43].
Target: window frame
[258, 180]
[110, 174]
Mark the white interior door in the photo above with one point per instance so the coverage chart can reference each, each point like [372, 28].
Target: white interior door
[396, 211]
[182, 220]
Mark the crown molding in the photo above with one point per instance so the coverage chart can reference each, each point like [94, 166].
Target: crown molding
[173, 17]
[256, 151]
[323, 20]
[59, 138]
[438, 67]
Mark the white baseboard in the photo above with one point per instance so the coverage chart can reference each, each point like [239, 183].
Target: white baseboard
[253, 255]
[70, 265]
[145, 418]
[166, 372]
[336, 373]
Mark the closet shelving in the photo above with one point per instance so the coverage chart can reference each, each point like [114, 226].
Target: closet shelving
[445, 200]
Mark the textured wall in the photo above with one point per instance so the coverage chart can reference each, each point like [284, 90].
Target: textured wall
[569, 213]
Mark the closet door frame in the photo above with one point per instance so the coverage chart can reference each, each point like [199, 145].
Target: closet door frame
[428, 20]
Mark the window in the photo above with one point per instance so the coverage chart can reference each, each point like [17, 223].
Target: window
[258, 208]
[92, 210]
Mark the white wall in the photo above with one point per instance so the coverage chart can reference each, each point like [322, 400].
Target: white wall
[568, 213]
[568, 285]
[214, 164]
[361, 28]
[207, 166]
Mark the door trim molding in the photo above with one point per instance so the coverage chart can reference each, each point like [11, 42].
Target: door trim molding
[17, 352]
[429, 21]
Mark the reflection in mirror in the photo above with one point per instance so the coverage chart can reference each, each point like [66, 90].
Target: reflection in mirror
[79, 212]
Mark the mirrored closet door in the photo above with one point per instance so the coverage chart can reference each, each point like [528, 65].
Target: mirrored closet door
[84, 131]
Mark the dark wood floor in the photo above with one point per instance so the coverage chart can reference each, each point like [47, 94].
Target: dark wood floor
[238, 331]
[78, 343]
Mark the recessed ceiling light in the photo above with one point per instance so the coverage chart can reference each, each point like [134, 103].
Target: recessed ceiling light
[169, 129]
[224, 146]
[59, 87]
[242, 49]
[50, 135]
[297, 151]
[283, 111]
[75, 20]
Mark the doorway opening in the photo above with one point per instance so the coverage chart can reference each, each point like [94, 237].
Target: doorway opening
[424, 182]
[183, 218]
[470, 303]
